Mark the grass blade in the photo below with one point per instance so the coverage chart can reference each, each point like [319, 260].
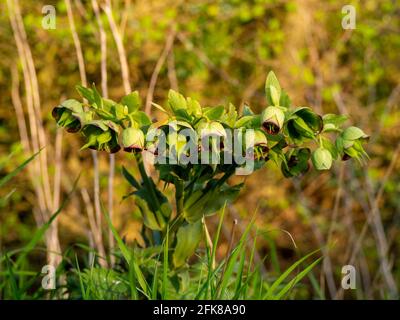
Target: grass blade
[13, 173]
[129, 258]
[296, 279]
[284, 275]
[227, 275]
[41, 231]
[165, 266]
[130, 178]
[13, 279]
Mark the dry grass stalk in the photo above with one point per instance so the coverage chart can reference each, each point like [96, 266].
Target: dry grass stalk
[82, 73]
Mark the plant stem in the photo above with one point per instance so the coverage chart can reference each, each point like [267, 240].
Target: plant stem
[178, 220]
[179, 197]
[150, 187]
[147, 180]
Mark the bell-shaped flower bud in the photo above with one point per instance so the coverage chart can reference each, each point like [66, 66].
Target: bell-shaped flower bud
[272, 119]
[212, 128]
[91, 131]
[101, 136]
[304, 124]
[321, 159]
[211, 135]
[260, 139]
[132, 140]
[296, 162]
[176, 143]
[70, 115]
[354, 133]
[349, 143]
[257, 140]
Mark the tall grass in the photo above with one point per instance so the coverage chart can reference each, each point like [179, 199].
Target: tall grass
[144, 273]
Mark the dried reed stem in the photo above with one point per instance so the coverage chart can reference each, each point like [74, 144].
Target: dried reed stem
[40, 177]
[120, 46]
[104, 89]
[82, 72]
[153, 80]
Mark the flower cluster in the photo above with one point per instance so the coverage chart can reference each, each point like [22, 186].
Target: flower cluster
[217, 141]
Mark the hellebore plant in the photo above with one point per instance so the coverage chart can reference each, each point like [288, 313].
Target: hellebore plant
[281, 133]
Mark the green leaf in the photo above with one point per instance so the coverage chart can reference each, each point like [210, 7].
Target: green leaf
[13, 173]
[214, 113]
[13, 279]
[119, 111]
[108, 104]
[183, 115]
[321, 159]
[97, 97]
[231, 116]
[132, 101]
[141, 118]
[272, 81]
[130, 178]
[275, 97]
[121, 245]
[194, 107]
[176, 101]
[149, 218]
[210, 201]
[327, 144]
[249, 122]
[159, 107]
[85, 93]
[105, 115]
[334, 119]
[188, 238]
[353, 133]
[284, 100]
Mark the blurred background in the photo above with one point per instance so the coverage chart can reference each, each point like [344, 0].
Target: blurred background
[217, 52]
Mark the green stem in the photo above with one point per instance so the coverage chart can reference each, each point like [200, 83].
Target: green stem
[225, 177]
[178, 220]
[147, 180]
[150, 187]
[219, 184]
[179, 197]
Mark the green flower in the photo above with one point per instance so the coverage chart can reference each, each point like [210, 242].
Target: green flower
[304, 124]
[101, 135]
[349, 143]
[70, 115]
[295, 162]
[176, 143]
[321, 159]
[133, 140]
[206, 132]
[260, 143]
[272, 120]
[212, 128]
